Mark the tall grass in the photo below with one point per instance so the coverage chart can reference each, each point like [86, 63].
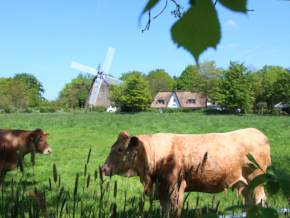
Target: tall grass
[73, 135]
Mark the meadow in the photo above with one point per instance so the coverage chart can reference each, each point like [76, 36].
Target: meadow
[71, 136]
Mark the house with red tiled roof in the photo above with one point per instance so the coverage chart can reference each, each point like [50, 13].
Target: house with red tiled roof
[182, 99]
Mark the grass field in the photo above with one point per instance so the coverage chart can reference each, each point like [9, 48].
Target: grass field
[72, 136]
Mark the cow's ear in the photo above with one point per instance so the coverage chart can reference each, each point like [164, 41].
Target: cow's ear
[134, 142]
[39, 130]
[124, 135]
[46, 134]
[32, 135]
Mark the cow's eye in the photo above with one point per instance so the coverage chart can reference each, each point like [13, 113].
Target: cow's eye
[119, 149]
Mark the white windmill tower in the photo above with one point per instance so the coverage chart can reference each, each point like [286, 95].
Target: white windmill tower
[100, 76]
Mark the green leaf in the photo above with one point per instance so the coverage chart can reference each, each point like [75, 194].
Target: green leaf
[271, 170]
[253, 166]
[241, 207]
[198, 29]
[253, 212]
[266, 212]
[272, 187]
[150, 5]
[259, 180]
[235, 5]
[210, 215]
[251, 158]
[284, 183]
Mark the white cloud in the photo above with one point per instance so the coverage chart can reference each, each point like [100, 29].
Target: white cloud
[233, 45]
[229, 46]
[231, 23]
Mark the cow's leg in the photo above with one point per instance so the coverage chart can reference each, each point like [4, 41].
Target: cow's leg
[260, 196]
[249, 196]
[177, 199]
[165, 207]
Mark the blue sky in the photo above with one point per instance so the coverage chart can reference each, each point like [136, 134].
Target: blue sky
[43, 37]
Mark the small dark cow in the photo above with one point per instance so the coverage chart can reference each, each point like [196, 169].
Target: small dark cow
[206, 163]
[11, 139]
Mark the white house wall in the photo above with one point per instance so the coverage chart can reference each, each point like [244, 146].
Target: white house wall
[171, 102]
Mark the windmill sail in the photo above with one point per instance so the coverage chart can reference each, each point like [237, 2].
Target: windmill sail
[94, 91]
[96, 86]
[108, 60]
[84, 68]
[112, 80]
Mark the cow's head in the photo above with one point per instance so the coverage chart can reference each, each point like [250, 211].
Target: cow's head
[42, 146]
[121, 156]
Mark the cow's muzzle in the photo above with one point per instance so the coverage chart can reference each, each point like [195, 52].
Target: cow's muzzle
[47, 151]
[106, 170]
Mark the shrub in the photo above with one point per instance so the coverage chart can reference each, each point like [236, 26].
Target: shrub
[277, 110]
[67, 109]
[152, 110]
[187, 110]
[199, 110]
[28, 110]
[99, 108]
[172, 110]
[7, 109]
[47, 109]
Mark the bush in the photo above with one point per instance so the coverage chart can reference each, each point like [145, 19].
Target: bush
[28, 110]
[199, 110]
[187, 110]
[277, 110]
[99, 108]
[152, 110]
[7, 109]
[172, 110]
[47, 109]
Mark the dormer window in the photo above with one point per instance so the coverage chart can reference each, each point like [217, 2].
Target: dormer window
[191, 101]
[160, 101]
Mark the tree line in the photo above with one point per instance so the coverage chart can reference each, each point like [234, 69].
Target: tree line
[235, 87]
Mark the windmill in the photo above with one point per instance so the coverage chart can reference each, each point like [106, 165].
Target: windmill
[100, 77]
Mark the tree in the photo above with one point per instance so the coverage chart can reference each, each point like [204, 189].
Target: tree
[33, 86]
[235, 89]
[18, 93]
[4, 91]
[115, 95]
[187, 79]
[74, 94]
[282, 87]
[257, 88]
[125, 76]
[270, 74]
[136, 93]
[159, 80]
[208, 80]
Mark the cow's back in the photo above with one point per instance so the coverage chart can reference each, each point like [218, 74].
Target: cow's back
[226, 152]
[11, 139]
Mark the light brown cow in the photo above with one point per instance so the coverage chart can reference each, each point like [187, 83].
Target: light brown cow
[167, 157]
[11, 139]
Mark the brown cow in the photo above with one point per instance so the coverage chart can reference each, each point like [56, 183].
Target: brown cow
[11, 139]
[167, 157]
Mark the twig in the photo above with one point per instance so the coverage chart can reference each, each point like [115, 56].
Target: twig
[162, 10]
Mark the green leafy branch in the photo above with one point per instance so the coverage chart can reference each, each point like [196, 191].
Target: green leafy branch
[273, 181]
[198, 28]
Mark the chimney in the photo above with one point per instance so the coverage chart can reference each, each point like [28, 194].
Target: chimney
[175, 89]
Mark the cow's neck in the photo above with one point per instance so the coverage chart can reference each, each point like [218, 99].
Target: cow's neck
[26, 142]
[143, 165]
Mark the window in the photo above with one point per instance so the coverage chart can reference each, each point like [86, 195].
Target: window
[160, 102]
[191, 101]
